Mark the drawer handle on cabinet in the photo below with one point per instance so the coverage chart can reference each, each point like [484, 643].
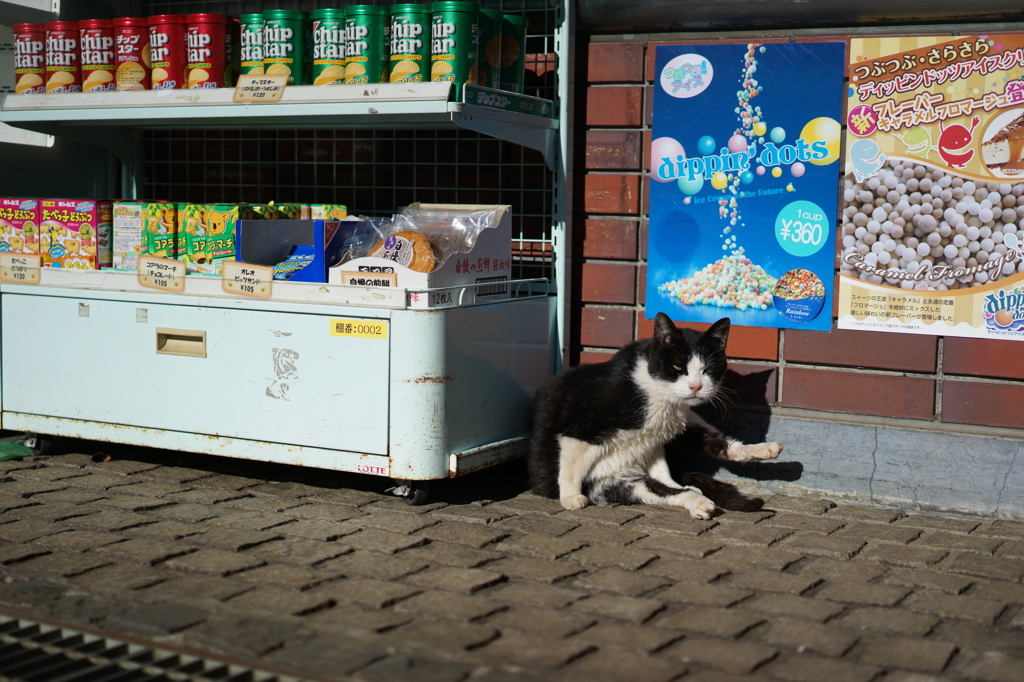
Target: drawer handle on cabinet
[181, 342]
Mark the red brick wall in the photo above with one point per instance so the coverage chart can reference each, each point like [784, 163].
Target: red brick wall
[923, 378]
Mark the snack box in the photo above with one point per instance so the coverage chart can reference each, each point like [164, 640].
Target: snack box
[19, 219]
[76, 233]
[328, 211]
[488, 266]
[162, 237]
[289, 211]
[312, 246]
[274, 211]
[143, 227]
[209, 231]
[129, 220]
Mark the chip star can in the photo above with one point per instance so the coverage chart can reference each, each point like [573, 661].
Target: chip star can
[367, 53]
[207, 44]
[29, 58]
[453, 43]
[251, 37]
[513, 53]
[410, 43]
[96, 38]
[62, 57]
[284, 44]
[131, 35]
[328, 46]
[168, 51]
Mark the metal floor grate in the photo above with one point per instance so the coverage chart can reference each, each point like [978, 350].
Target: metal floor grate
[31, 651]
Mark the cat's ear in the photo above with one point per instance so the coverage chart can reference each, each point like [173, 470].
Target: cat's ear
[665, 331]
[718, 333]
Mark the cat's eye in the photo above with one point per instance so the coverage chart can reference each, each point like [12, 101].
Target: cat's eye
[677, 368]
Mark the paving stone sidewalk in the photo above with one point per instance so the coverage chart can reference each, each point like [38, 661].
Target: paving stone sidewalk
[324, 575]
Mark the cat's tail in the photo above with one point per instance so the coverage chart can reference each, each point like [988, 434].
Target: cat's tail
[724, 495]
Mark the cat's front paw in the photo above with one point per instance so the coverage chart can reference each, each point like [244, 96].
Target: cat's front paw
[772, 450]
[701, 507]
[754, 453]
[574, 502]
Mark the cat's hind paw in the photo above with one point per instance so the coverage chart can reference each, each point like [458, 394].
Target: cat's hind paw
[700, 507]
[574, 502]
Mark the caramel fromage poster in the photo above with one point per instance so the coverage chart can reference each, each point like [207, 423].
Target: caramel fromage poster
[745, 173]
[933, 197]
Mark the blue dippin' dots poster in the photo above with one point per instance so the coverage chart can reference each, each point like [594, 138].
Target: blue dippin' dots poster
[745, 183]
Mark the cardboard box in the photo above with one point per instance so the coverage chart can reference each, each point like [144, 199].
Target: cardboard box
[19, 220]
[76, 233]
[271, 242]
[209, 231]
[477, 276]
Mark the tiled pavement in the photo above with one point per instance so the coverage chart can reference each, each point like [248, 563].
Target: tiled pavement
[324, 575]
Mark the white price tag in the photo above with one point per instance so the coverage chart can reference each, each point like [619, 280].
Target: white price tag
[247, 279]
[20, 268]
[164, 274]
[252, 89]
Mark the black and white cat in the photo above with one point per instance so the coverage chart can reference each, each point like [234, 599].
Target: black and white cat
[599, 431]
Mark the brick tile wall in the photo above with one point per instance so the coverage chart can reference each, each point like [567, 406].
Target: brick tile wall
[849, 348]
[851, 372]
[984, 358]
[882, 395]
[983, 404]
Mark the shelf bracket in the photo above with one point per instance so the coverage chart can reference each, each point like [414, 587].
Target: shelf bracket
[539, 139]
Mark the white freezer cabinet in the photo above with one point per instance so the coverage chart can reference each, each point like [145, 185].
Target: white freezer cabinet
[414, 395]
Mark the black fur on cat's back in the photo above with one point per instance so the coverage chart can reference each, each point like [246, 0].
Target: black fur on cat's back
[592, 402]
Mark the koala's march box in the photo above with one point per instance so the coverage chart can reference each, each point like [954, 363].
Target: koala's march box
[476, 272]
[209, 231]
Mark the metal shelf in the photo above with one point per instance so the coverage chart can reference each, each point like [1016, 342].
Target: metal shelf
[28, 11]
[105, 118]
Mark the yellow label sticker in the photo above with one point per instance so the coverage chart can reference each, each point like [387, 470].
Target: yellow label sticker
[20, 268]
[360, 329]
[162, 273]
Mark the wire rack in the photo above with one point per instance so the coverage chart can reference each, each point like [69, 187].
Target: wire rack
[373, 172]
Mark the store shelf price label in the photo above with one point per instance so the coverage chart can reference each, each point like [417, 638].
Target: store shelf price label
[252, 89]
[360, 329]
[247, 279]
[164, 274]
[20, 268]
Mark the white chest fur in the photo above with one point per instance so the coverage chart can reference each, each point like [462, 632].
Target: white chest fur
[630, 452]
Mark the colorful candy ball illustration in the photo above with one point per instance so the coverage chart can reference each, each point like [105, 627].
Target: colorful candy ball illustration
[737, 143]
[826, 130]
[690, 187]
[665, 148]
